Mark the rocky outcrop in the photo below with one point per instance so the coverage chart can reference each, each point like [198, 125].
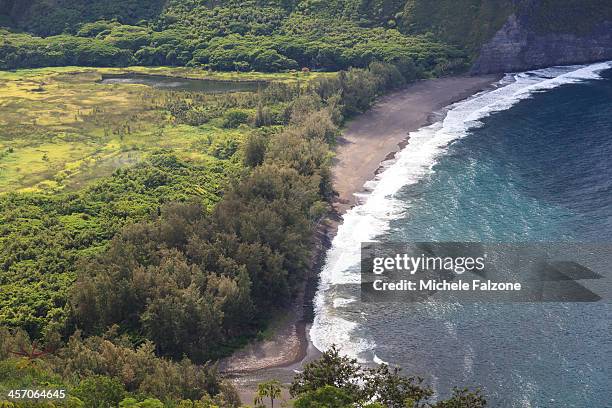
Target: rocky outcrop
[519, 47]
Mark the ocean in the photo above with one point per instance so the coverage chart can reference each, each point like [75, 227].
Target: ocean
[530, 161]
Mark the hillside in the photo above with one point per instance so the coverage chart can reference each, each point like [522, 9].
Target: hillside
[545, 33]
[430, 38]
[230, 36]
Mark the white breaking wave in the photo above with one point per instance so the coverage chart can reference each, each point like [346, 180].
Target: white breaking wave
[341, 302]
[379, 361]
[369, 220]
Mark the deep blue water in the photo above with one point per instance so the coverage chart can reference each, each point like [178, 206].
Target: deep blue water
[539, 171]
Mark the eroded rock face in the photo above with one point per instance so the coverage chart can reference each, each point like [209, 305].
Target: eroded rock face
[519, 47]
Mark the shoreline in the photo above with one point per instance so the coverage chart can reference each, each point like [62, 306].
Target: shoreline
[365, 143]
[378, 134]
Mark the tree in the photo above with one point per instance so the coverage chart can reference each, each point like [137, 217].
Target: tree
[336, 381]
[269, 389]
[463, 398]
[235, 117]
[147, 403]
[99, 391]
[331, 369]
[183, 323]
[325, 397]
[393, 389]
[255, 149]
[263, 116]
[272, 61]
[319, 126]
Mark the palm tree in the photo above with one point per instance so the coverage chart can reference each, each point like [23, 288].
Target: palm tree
[271, 389]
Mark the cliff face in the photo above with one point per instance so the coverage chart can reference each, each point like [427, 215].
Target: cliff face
[519, 46]
[516, 35]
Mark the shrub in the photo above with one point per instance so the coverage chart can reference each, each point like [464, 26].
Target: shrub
[235, 117]
[223, 148]
[335, 381]
[95, 28]
[255, 149]
[320, 126]
[272, 61]
[147, 403]
[264, 116]
[324, 397]
[99, 391]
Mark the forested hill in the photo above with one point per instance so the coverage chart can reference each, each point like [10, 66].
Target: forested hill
[433, 37]
[222, 35]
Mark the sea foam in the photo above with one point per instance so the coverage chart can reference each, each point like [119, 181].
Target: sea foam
[371, 219]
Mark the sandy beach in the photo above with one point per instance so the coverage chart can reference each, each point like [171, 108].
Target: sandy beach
[365, 143]
[377, 134]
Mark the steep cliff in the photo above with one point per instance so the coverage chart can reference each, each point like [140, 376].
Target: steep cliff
[513, 35]
[520, 45]
[466, 23]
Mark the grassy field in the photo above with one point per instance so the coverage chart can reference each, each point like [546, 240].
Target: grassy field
[60, 128]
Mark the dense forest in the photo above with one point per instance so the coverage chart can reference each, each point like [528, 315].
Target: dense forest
[271, 35]
[231, 35]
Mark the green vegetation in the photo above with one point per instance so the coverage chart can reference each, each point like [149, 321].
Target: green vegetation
[467, 23]
[230, 36]
[195, 281]
[109, 371]
[269, 389]
[577, 16]
[43, 235]
[79, 132]
[48, 18]
[335, 381]
[278, 35]
[59, 128]
[190, 250]
[104, 372]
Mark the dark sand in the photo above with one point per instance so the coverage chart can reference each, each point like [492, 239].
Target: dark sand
[374, 136]
[366, 141]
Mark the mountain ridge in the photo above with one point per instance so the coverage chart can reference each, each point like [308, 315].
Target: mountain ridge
[493, 35]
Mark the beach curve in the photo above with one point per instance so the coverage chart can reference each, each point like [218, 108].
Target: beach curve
[364, 144]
